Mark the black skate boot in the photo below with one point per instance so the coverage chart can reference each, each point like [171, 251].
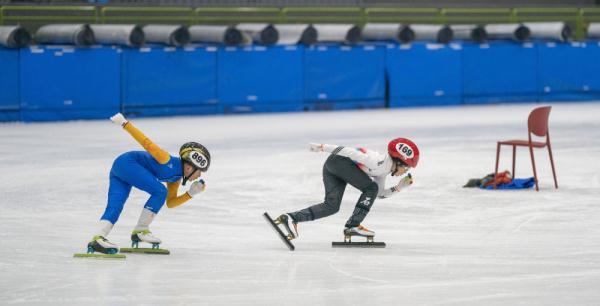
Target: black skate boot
[289, 224]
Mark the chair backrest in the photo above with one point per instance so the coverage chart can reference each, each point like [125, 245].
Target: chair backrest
[538, 121]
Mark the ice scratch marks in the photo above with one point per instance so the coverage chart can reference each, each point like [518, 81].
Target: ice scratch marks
[353, 275]
[522, 223]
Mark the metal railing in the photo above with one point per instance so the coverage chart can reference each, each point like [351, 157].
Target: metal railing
[34, 16]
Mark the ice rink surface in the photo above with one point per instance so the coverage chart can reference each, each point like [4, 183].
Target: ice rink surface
[447, 245]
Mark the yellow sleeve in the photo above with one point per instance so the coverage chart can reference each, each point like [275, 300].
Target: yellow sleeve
[161, 156]
[172, 199]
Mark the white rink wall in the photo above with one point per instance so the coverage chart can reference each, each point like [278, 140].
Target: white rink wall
[446, 245]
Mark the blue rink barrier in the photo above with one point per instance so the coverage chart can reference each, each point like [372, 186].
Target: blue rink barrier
[67, 83]
[9, 85]
[568, 72]
[43, 83]
[500, 72]
[424, 74]
[260, 79]
[159, 80]
[344, 77]
[591, 68]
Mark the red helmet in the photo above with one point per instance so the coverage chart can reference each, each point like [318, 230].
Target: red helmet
[404, 150]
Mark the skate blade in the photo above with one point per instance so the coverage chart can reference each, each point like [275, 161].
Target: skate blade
[358, 244]
[145, 251]
[99, 255]
[348, 238]
[284, 238]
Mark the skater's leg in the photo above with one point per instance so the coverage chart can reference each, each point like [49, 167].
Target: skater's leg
[105, 227]
[364, 204]
[141, 232]
[118, 192]
[144, 220]
[334, 191]
[141, 178]
[347, 170]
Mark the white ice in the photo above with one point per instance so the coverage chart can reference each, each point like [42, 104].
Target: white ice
[446, 245]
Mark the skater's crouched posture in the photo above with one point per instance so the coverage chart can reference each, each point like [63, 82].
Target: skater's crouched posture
[146, 170]
[365, 170]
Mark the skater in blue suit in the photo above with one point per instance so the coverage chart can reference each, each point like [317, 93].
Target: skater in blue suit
[147, 170]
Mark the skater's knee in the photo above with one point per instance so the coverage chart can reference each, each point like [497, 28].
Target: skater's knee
[332, 208]
[370, 188]
[332, 204]
[160, 192]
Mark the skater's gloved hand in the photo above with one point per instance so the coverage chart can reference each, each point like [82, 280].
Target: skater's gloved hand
[404, 182]
[196, 188]
[119, 119]
[316, 147]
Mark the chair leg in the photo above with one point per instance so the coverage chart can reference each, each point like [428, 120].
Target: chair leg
[534, 171]
[497, 159]
[552, 164]
[514, 158]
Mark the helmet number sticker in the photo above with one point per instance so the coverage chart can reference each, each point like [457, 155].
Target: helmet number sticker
[404, 150]
[199, 159]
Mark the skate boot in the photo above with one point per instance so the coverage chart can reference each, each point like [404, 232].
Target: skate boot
[101, 245]
[288, 223]
[144, 236]
[290, 226]
[358, 231]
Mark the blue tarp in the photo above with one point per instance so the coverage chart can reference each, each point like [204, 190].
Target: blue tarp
[515, 184]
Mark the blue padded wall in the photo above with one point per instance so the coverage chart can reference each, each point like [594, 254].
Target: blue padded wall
[160, 81]
[562, 71]
[500, 72]
[260, 79]
[591, 69]
[344, 77]
[41, 83]
[424, 74]
[65, 83]
[9, 84]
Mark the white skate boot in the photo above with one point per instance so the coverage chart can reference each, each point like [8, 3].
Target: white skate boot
[144, 236]
[358, 231]
[102, 245]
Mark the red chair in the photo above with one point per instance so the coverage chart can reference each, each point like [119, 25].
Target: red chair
[537, 124]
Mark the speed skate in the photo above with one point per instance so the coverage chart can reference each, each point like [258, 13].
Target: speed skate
[360, 232]
[152, 250]
[145, 236]
[275, 225]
